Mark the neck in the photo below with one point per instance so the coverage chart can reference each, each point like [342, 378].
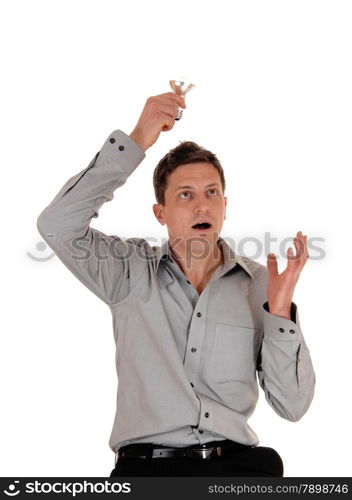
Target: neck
[198, 264]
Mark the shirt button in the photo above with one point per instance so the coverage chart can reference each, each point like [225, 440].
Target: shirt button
[206, 414]
[188, 282]
[192, 384]
[121, 148]
[201, 432]
[292, 331]
[281, 330]
[199, 315]
[193, 349]
[112, 140]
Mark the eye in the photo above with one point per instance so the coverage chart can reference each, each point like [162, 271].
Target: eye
[212, 191]
[184, 197]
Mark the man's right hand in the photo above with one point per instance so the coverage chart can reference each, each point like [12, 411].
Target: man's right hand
[158, 115]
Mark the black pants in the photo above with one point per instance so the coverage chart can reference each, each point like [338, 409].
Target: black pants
[249, 461]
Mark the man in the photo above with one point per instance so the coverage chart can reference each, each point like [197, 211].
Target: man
[193, 321]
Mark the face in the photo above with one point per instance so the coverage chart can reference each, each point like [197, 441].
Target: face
[193, 196]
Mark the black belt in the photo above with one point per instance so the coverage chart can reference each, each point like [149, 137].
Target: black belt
[203, 451]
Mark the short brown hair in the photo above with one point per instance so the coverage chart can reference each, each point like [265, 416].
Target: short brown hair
[185, 152]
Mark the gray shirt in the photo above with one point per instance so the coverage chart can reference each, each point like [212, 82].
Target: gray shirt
[187, 364]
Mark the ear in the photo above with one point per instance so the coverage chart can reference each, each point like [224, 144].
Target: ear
[158, 210]
[225, 198]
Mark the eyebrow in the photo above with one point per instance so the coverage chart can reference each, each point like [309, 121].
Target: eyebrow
[192, 187]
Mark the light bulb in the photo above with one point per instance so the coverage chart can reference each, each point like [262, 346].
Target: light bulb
[181, 86]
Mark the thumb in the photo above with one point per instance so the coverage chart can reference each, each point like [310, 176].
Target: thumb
[272, 264]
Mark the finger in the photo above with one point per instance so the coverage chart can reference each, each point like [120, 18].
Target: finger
[290, 255]
[306, 253]
[303, 244]
[300, 236]
[300, 247]
[169, 110]
[171, 96]
[303, 238]
[272, 264]
[302, 255]
[292, 263]
[179, 99]
[168, 123]
[168, 106]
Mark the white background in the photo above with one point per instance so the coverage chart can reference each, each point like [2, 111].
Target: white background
[272, 100]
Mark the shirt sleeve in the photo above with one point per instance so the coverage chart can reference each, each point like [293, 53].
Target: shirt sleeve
[99, 261]
[285, 369]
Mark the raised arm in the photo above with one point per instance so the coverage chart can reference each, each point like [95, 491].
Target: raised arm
[285, 368]
[99, 261]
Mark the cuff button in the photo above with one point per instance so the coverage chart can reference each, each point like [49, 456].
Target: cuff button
[112, 140]
[121, 148]
[292, 331]
[281, 330]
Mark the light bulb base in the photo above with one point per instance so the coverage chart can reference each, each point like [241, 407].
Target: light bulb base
[179, 114]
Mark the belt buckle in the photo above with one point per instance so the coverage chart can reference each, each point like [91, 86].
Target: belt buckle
[207, 453]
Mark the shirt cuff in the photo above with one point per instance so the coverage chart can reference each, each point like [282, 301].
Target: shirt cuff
[125, 151]
[279, 328]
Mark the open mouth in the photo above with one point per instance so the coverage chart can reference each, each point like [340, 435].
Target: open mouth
[202, 226]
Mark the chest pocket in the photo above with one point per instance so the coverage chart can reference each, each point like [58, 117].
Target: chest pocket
[234, 353]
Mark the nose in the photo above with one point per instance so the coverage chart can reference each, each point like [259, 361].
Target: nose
[201, 205]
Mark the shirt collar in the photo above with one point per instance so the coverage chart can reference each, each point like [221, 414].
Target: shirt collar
[231, 258]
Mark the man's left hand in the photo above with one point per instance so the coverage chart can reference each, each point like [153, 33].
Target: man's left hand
[281, 286]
